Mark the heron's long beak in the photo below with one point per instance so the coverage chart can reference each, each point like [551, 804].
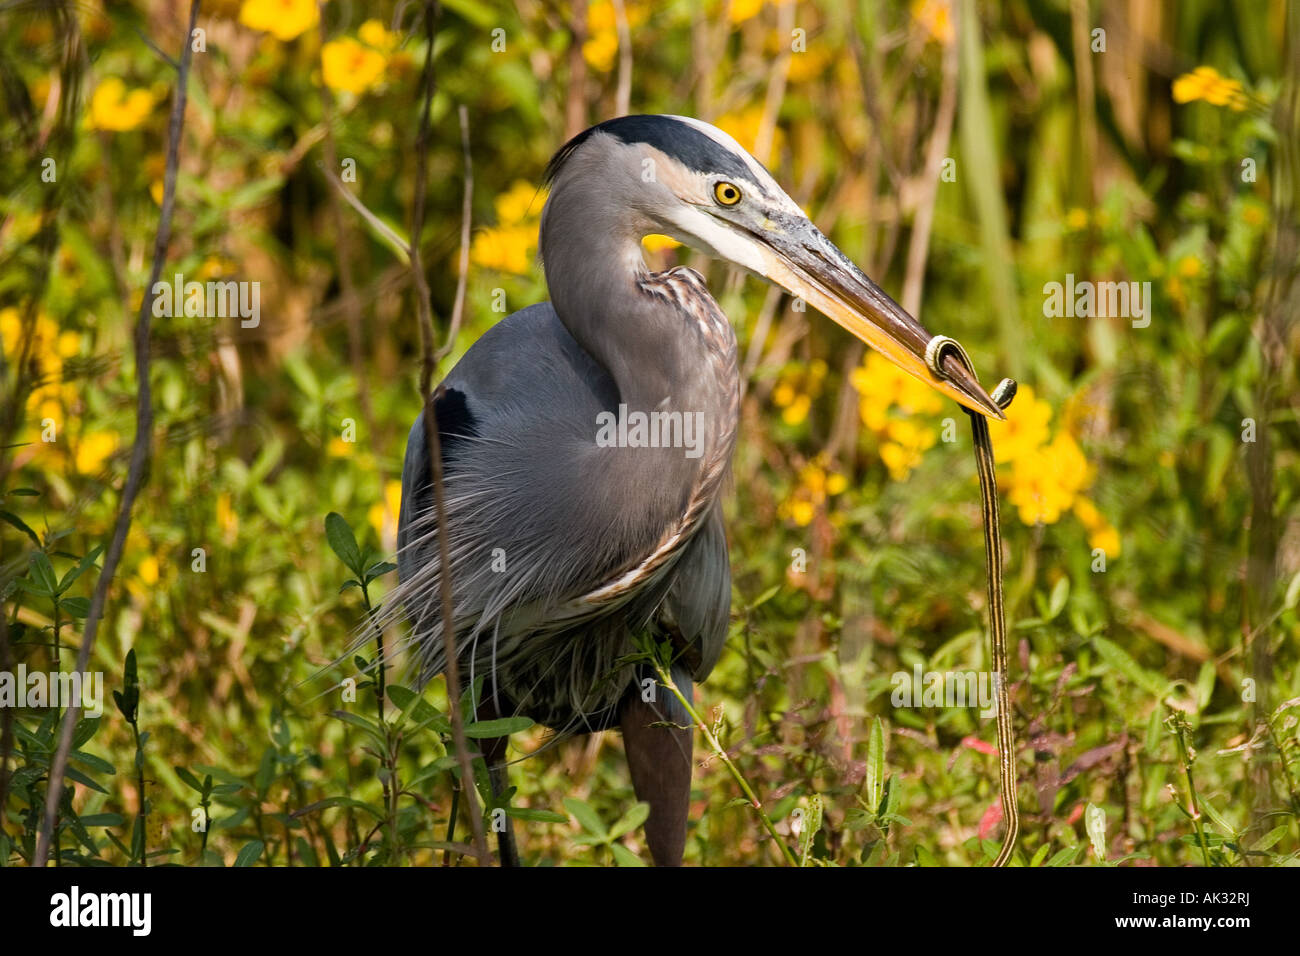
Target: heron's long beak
[797, 257]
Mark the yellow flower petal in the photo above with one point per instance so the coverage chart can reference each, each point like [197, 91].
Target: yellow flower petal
[283, 19]
[349, 66]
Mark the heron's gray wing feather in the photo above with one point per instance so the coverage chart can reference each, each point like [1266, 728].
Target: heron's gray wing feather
[537, 514]
[698, 603]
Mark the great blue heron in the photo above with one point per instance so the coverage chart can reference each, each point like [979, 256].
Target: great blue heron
[586, 443]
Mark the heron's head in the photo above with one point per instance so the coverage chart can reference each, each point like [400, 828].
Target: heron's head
[691, 181]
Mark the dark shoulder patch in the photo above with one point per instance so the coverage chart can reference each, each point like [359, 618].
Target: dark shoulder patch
[683, 142]
[455, 422]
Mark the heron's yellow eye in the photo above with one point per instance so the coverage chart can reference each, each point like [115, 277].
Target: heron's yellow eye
[726, 193]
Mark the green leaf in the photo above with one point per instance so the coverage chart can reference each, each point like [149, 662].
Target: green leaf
[1118, 658]
[588, 818]
[625, 857]
[858, 819]
[379, 569]
[43, 574]
[189, 779]
[1065, 857]
[441, 765]
[369, 726]
[250, 853]
[500, 727]
[72, 773]
[81, 567]
[536, 816]
[86, 729]
[103, 820]
[78, 607]
[1271, 837]
[343, 542]
[1208, 809]
[765, 596]
[21, 525]
[98, 764]
[1060, 594]
[329, 802]
[875, 777]
[225, 776]
[634, 817]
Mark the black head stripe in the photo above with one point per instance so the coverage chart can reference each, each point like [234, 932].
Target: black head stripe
[686, 144]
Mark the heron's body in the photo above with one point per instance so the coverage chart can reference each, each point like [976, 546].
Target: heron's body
[521, 409]
[565, 545]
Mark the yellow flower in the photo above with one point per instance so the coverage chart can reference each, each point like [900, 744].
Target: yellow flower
[744, 125]
[800, 512]
[148, 570]
[1189, 267]
[1100, 533]
[935, 18]
[882, 385]
[783, 394]
[508, 247]
[796, 413]
[373, 33]
[347, 65]
[1046, 481]
[93, 450]
[11, 330]
[1107, 539]
[338, 448]
[283, 19]
[227, 520]
[521, 201]
[1206, 83]
[505, 248]
[601, 47]
[1025, 429]
[814, 486]
[1087, 513]
[741, 10]
[1076, 219]
[69, 344]
[113, 108]
[905, 447]
[808, 64]
[383, 514]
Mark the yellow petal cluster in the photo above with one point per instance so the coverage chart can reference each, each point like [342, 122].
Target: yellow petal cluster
[796, 389]
[283, 19]
[817, 483]
[934, 18]
[348, 66]
[114, 108]
[510, 244]
[883, 389]
[383, 514]
[601, 47]
[1206, 83]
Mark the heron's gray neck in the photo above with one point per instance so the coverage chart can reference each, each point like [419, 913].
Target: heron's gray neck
[595, 271]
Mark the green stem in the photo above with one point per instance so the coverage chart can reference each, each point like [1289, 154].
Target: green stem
[1180, 727]
[389, 759]
[142, 815]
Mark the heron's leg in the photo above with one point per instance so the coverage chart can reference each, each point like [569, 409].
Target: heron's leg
[660, 761]
[494, 754]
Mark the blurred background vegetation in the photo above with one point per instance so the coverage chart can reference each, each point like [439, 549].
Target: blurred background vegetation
[964, 155]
